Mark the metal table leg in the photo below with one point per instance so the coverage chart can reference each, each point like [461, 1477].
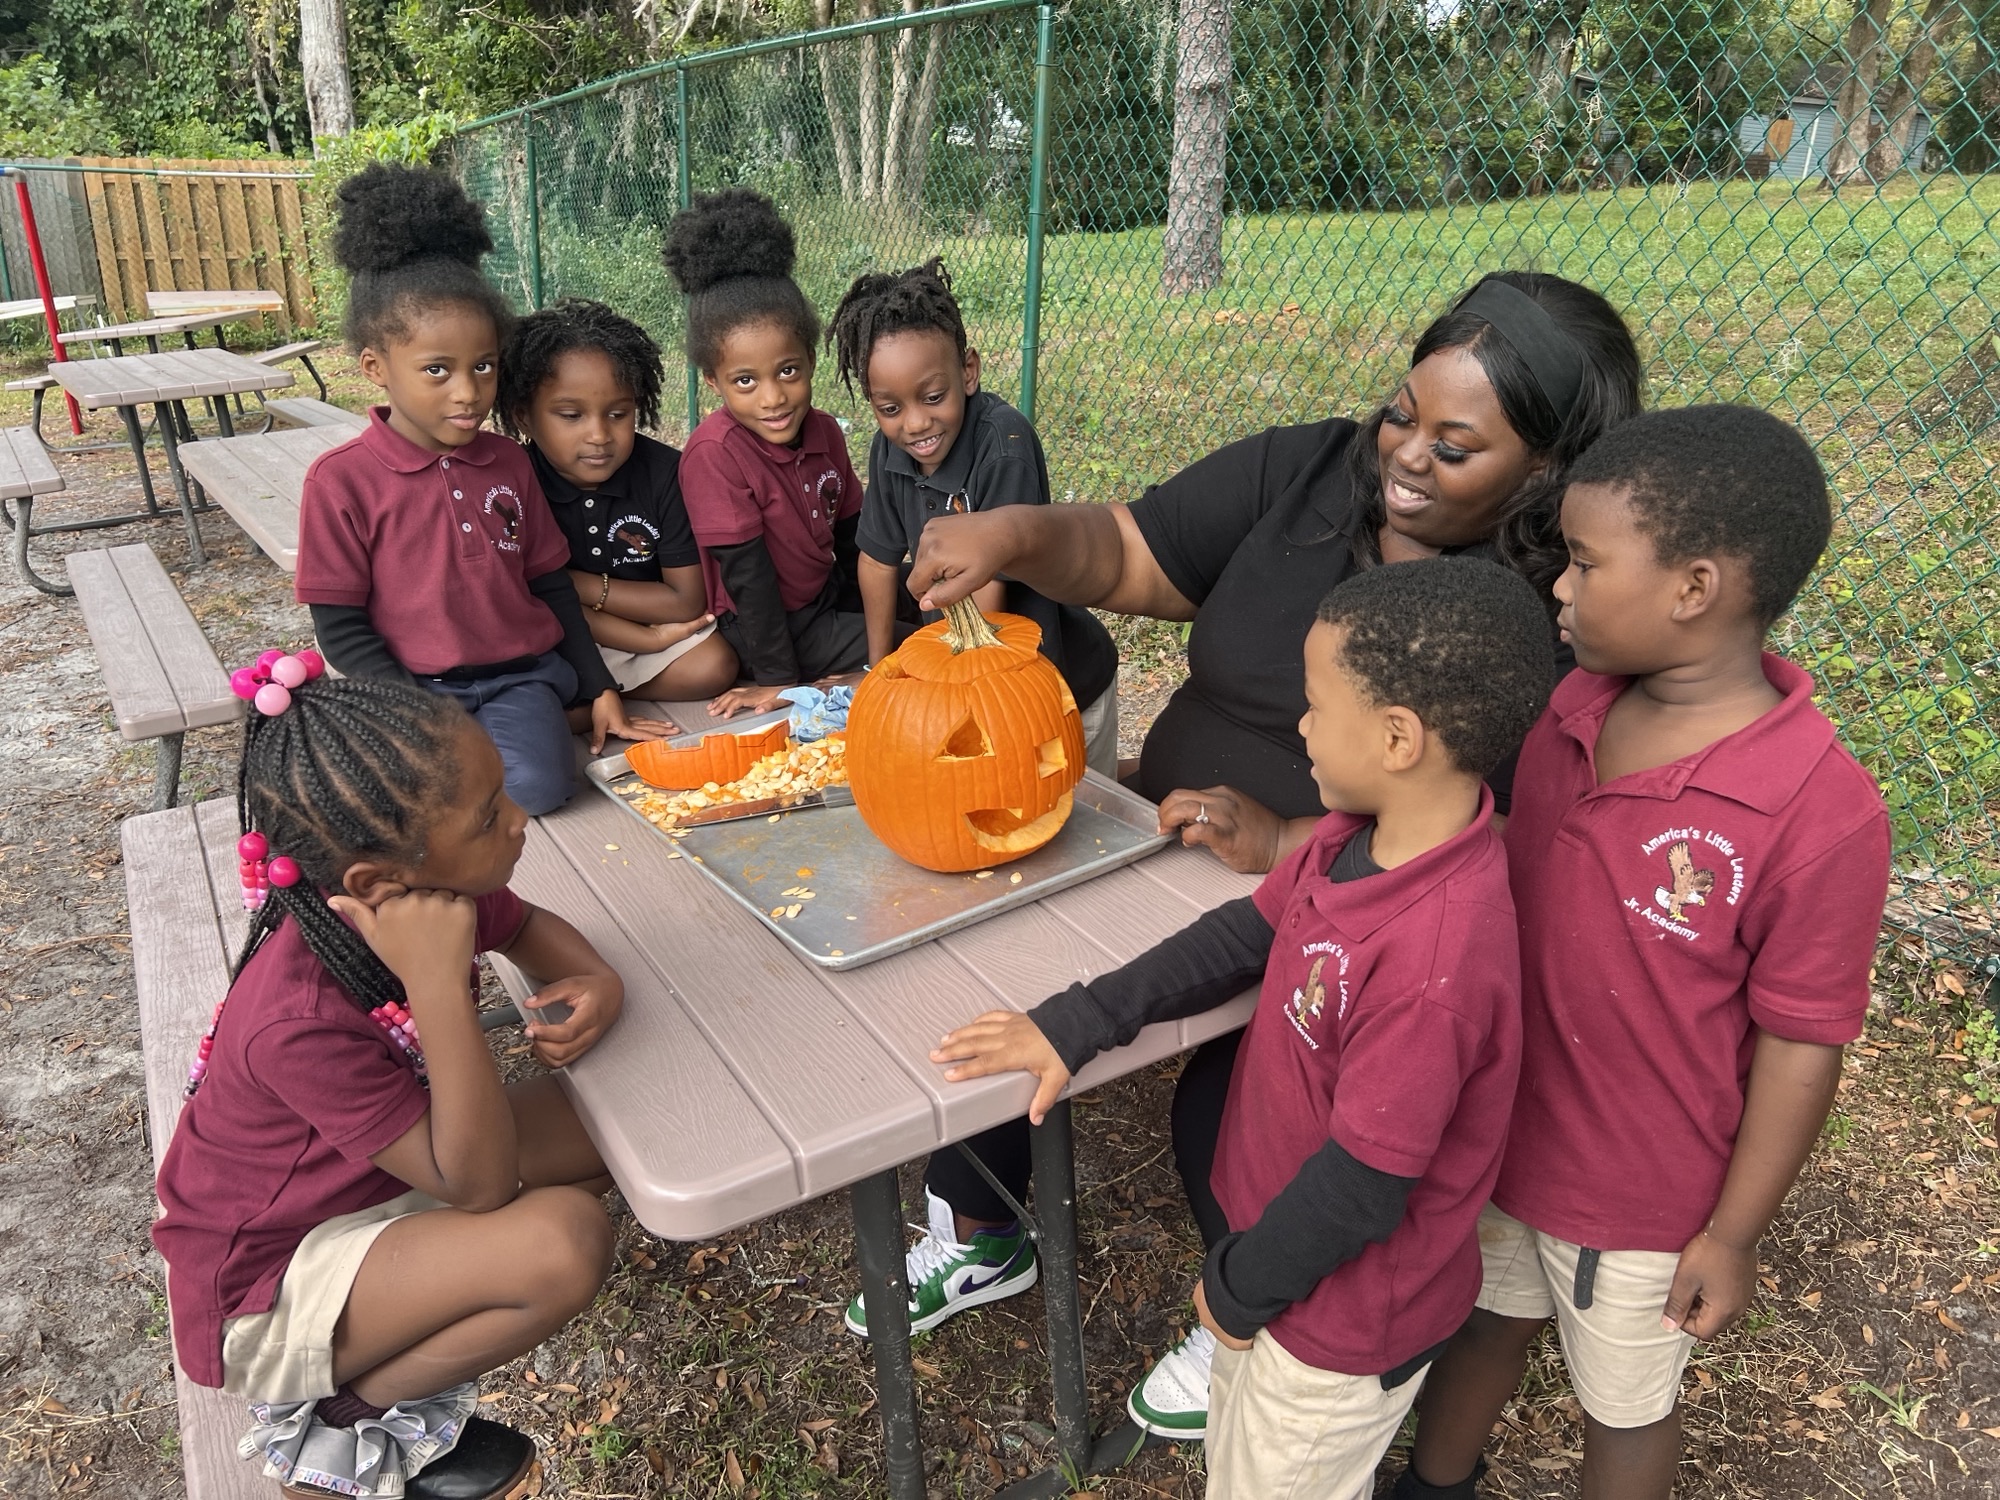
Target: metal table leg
[170, 415]
[137, 434]
[1051, 1145]
[24, 510]
[885, 1299]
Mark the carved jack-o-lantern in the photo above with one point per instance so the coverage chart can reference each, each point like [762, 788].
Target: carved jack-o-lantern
[964, 746]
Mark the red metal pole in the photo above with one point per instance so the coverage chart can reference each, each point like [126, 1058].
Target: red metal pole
[34, 237]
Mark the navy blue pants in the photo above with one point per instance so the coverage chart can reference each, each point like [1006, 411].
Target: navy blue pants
[524, 714]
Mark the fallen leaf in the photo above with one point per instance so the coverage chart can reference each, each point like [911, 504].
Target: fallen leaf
[1950, 1322]
[820, 1424]
[1867, 1335]
[1829, 1399]
[732, 1472]
[925, 1368]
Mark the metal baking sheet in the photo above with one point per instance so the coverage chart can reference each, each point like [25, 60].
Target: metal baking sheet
[867, 903]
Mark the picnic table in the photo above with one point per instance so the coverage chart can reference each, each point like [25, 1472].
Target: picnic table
[164, 382]
[259, 477]
[744, 1080]
[152, 330]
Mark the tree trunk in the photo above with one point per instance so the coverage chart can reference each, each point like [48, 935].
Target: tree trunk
[1867, 43]
[1904, 98]
[902, 84]
[836, 112]
[870, 142]
[916, 161]
[323, 60]
[1196, 178]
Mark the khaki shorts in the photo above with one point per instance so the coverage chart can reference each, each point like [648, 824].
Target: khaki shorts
[1625, 1366]
[630, 671]
[1100, 733]
[1281, 1428]
[286, 1354]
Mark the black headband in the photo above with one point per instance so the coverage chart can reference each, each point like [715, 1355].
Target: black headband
[1552, 356]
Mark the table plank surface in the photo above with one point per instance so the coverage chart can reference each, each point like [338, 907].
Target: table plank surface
[140, 379]
[161, 327]
[259, 478]
[180, 304]
[25, 465]
[838, 1062]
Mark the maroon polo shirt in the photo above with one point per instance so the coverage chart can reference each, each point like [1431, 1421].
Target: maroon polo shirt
[437, 547]
[302, 1088]
[737, 487]
[1389, 1021]
[1667, 917]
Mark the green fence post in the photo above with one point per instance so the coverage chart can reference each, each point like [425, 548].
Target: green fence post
[534, 211]
[1038, 182]
[685, 183]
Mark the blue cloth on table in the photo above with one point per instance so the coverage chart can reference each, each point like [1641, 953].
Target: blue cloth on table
[817, 713]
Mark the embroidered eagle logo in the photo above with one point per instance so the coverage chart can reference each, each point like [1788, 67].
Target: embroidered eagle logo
[1691, 885]
[1309, 1001]
[637, 543]
[510, 519]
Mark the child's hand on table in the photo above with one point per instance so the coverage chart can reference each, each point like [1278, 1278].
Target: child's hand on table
[754, 699]
[1227, 1340]
[1005, 1041]
[594, 1001]
[671, 634]
[608, 719]
[1712, 1286]
[1244, 834]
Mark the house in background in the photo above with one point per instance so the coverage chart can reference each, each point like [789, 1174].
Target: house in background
[1795, 142]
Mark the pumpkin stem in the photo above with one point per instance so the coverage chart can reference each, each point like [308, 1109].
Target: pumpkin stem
[966, 628]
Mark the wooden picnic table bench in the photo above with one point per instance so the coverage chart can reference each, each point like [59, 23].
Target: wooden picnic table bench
[163, 676]
[259, 477]
[739, 1081]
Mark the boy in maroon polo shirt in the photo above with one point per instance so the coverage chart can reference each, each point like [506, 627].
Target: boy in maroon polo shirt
[1365, 1116]
[1700, 870]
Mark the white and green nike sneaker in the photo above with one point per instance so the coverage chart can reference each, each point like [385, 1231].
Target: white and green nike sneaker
[947, 1277]
[1173, 1398]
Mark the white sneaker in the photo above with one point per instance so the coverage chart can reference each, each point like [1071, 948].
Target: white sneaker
[1172, 1400]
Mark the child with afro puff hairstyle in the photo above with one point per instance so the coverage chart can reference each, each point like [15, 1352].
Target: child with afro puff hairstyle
[1699, 869]
[1368, 1107]
[577, 381]
[427, 553]
[768, 484]
[943, 447]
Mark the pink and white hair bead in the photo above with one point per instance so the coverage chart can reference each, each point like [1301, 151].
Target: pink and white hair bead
[268, 685]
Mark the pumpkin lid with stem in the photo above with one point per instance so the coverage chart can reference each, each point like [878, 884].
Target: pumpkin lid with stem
[964, 647]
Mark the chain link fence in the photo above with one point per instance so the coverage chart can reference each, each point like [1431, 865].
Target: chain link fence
[1173, 224]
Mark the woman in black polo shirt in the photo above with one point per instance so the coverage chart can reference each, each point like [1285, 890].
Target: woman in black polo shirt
[1468, 455]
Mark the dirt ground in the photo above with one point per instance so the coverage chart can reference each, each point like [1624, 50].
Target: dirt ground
[1868, 1368]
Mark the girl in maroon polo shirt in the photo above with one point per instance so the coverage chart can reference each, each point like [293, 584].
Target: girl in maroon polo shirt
[767, 480]
[426, 549]
[360, 1219]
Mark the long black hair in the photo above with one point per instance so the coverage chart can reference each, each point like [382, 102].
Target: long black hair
[576, 323]
[410, 239]
[732, 254]
[1528, 539]
[881, 303]
[354, 769]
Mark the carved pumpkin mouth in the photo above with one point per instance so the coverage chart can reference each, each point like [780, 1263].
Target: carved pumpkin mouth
[1006, 830]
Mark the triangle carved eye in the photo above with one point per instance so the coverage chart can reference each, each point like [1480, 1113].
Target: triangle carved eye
[967, 742]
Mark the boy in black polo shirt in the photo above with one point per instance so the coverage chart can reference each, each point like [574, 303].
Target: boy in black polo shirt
[946, 446]
[1366, 1115]
[577, 381]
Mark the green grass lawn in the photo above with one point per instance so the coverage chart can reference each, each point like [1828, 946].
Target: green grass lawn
[1869, 318]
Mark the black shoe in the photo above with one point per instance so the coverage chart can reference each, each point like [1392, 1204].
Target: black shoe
[491, 1462]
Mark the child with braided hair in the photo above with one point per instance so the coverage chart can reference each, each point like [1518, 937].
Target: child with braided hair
[427, 553]
[359, 1218]
[946, 447]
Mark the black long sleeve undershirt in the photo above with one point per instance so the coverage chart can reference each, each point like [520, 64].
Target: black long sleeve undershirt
[762, 636]
[353, 646]
[558, 592]
[1213, 959]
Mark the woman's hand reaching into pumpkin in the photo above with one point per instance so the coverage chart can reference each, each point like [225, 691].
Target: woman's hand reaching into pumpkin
[1005, 1041]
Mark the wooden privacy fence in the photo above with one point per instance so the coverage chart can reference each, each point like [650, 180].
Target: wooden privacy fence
[192, 226]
